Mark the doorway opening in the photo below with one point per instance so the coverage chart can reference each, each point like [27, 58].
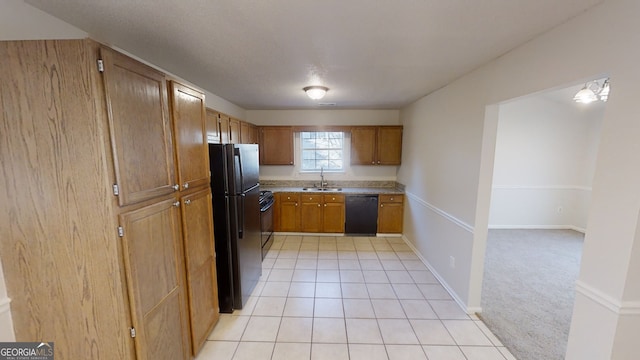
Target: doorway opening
[545, 154]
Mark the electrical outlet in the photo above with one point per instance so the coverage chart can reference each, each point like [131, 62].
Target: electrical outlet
[452, 262]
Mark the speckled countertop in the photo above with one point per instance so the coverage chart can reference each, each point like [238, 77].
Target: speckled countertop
[348, 187]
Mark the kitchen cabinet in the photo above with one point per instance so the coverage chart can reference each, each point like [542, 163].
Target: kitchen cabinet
[200, 265]
[254, 134]
[390, 213]
[276, 145]
[287, 214]
[155, 278]
[245, 132]
[140, 127]
[192, 152]
[376, 145]
[333, 213]
[102, 207]
[234, 131]
[322, 213]
[213, 126]
[311, 213]
[225, 134]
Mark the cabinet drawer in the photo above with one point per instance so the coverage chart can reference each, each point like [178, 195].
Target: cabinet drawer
[289, 197]
[334, 198]
[311, 198]
[397, 198]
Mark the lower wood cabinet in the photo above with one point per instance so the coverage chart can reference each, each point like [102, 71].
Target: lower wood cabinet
[333, 213]
[390, 213]
[154, 268]
[287, 214]
[199, 254]
[311, 213]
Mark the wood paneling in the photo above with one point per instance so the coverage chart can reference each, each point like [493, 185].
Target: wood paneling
[60, 251]
[192, 152]
[136, 97]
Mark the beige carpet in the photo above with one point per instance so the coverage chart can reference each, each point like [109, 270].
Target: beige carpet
[528, 289]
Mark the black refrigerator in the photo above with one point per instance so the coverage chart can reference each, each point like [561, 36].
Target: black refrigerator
[236, 221]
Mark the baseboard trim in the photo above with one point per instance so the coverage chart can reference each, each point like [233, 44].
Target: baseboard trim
[5, 305]
[606, 301]
[538, 227]
[440, 212]
[454, 295]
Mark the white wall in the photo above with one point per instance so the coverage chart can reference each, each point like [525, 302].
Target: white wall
[6, 324]
[545, 159]
[320, 118]
[448, 173]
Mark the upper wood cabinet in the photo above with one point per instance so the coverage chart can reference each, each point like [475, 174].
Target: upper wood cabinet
[276, 145]
[197, 234]
[376, 145]
[234, 131]
[154, 269]
[223, 122]
[192, 152]
[137, 108]
[245, 132]
[213, 126]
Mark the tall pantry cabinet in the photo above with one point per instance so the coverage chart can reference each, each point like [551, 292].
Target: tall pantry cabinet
[106, 235]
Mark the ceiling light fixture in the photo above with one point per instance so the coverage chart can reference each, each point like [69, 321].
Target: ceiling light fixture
[315, 92]
[593, 91]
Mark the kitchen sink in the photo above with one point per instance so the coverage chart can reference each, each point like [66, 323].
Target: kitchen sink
[321, 189]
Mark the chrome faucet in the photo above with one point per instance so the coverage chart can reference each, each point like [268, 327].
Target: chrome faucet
[322, 182]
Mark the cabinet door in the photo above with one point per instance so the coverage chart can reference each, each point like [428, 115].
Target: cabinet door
[289, 212]
[213, 127]
[363, 145]
[311, 213]
[234, 131]
[389, 145]
[254, 134]
[141, 140]
[154, 269]
[390, 214]
[202, 284]
[245, 133]
[333, 214]
[225, 135]
[192, 152]
[276, 145]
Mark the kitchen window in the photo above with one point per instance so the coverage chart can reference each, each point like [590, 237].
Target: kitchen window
[322, 150]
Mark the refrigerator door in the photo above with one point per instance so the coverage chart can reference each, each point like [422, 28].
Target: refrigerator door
[248, 245]
[245, 167]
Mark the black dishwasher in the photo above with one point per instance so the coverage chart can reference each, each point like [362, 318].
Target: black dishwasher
[361, 215]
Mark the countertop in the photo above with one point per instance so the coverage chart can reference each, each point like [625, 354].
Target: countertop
[345, 190]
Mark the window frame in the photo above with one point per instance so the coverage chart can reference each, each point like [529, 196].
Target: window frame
[342, 150]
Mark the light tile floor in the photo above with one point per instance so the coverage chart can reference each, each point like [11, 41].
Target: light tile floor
[351, 298]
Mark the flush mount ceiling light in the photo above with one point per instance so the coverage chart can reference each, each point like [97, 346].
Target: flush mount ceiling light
[315, 92]
[593, 91]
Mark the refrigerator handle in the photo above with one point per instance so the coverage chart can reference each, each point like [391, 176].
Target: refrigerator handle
[236, 154]
[241, 218]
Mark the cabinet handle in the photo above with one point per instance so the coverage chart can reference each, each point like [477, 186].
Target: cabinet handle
[185, 186]
[391, 199]
[291, 163]
[324, 205]
[176, 187]
[296, 204]
[373, 162]
[176, 204]
[378, 161]
[187, 202]
[310, 198]
[381, 205]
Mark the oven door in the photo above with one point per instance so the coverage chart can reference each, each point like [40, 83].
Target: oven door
[266, 227]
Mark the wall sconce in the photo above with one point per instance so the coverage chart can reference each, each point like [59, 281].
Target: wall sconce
[593, 91]
[315, 92]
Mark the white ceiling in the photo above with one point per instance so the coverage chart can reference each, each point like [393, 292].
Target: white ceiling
[259, 54]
